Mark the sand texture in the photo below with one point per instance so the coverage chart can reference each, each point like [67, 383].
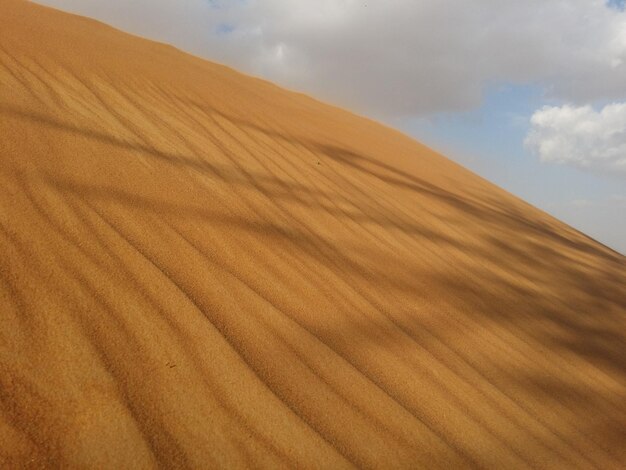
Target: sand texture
[201, 269]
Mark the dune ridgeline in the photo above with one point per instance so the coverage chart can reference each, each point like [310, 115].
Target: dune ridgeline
[201, 269]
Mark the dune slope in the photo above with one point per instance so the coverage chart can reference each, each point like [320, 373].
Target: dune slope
[200, 269]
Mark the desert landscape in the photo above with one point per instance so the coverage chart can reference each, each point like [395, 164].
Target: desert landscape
[199, 269]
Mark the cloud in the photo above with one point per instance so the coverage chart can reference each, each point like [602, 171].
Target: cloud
[618, 199]
[582, 203]
[581, 136]
[395, 58]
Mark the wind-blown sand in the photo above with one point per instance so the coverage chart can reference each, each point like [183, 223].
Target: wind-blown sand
[200, 269]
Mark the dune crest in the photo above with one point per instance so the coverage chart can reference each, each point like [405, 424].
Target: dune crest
[200, 269]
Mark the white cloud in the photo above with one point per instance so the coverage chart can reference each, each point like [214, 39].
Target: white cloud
[393, 58]
[581, 136]
[618, 199]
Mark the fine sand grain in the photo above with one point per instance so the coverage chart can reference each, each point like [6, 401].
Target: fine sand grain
[201, 269]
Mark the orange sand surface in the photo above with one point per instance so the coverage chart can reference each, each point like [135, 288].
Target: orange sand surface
[201, 269]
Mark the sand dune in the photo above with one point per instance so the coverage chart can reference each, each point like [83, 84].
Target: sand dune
[200, 269]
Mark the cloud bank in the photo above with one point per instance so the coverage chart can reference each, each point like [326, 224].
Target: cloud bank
[395, 58]
[581, 136]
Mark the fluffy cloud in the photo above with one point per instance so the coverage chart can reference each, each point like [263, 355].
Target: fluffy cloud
[581, 136]
[394, 58]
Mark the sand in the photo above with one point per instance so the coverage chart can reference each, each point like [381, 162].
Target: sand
[201, 269]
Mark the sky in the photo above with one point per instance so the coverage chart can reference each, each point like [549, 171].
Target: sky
[529, 94]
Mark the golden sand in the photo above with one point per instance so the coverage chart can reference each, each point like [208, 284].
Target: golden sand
[201, 269]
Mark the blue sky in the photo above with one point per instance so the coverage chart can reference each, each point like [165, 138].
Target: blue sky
[530, 95]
